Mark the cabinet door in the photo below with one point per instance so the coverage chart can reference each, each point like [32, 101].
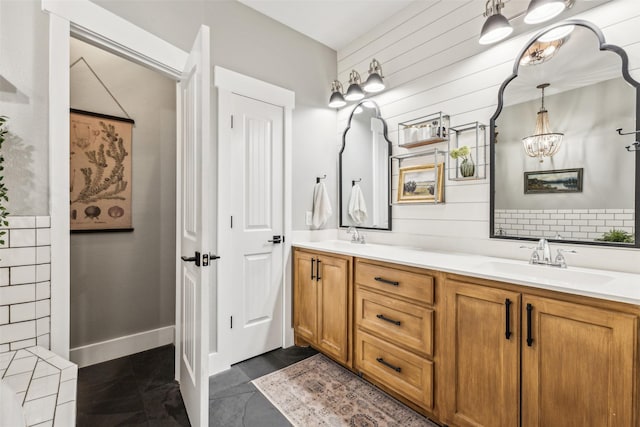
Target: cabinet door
[578, 366]
[482, 365]
[333, 309]
[305, 312]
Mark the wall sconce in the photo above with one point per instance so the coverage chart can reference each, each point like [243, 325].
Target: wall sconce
[543, 143]
[497, 26]
[356, 90]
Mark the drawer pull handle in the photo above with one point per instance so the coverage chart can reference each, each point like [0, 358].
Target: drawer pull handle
[313, 261]
[388, 282]
[507, 330]
[388, 365]
[386, 319]
[529, 333]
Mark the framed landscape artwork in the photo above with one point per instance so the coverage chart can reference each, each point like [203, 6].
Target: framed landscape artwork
[420, 184]
[100, 172]
[553, 181]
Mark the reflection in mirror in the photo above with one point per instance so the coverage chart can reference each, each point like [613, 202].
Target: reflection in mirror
[559, 169]
[364, 170]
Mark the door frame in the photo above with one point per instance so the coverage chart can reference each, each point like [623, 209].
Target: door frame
[100, 27]
[228, 83]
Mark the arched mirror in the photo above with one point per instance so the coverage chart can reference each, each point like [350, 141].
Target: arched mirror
[559, 167]
[364, 170]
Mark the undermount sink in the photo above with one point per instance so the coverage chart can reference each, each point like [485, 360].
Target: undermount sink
[553, 275]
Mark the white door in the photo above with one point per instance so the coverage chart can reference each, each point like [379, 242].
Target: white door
[256, 201]
[194, 230]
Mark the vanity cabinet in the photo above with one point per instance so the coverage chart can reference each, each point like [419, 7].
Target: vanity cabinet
[322, 302]
[394, 329]
[511, 355]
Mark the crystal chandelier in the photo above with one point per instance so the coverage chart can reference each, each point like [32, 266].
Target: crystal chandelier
[543, 143]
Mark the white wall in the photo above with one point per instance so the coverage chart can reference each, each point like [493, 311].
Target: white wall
[433, 62]
[123, 283]
[23, 98]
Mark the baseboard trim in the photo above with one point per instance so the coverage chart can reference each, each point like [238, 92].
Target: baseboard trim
[122, 346]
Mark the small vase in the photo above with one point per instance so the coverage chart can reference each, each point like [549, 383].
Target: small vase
[467, 168]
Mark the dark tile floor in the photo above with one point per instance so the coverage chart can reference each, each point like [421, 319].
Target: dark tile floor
[139, 390]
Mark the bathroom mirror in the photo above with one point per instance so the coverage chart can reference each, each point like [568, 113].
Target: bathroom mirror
[363, 165]
[559, 168]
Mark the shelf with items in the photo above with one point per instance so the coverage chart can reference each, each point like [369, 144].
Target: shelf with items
[424, 130]
[417, 177]
[470, 162]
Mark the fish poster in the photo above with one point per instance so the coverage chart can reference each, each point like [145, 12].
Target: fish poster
[100, 172]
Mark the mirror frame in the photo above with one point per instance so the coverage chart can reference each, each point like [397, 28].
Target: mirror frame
[604, 46]
[389, 145]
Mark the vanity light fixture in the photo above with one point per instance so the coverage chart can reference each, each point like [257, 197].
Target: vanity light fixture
[543, 143]
[543, 10]
[374, 82]
[337, 99]
[496, 27]
[354, 91]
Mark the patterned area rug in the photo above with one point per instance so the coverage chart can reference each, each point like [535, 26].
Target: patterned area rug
[319, 392]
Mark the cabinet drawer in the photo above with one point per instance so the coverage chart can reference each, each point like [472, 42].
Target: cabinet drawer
[399, 321]
[396, 282]
[407, 374]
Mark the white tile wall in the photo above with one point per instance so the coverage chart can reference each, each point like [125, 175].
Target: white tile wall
[25, 290]
[578, 224]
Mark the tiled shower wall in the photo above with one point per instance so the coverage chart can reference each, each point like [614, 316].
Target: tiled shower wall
[25, 287]
[575, 224]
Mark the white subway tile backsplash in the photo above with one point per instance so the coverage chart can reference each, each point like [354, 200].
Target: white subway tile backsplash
[4, 276]
[65, 413]
[550, 222]
[42, 326]
[13, 332]
[605, 216]
[67, 391]
[43, 222]
[22, 238]
[44, 386]
[614, 211]
[22, 274]
[557, 216]
[572, 216]
[17, 294]
[44, 369]
[42, 308]
[18, 383]
[40, 410]
[22, 312]
[596, 222]
[4, 315]
[21, 222]
[43, 290]
[3, 349]
[43, 237]
[18, 366]
[624, 216]
[589, 216]
[597, 211]
[43, 340]
[43, 254]
[17, 256]
[43, 272]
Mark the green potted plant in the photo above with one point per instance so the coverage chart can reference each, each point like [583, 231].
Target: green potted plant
[467, 167]
[619, 236]
[4, 198]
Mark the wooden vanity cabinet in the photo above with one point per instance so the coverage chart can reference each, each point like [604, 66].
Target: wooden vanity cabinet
[549, 361]
[394, 329]
[322, 302]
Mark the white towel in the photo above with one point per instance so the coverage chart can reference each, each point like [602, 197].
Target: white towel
[321, 205]
[357, 205]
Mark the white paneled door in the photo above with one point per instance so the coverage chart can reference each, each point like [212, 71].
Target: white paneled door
[256, 197]
[195, 238]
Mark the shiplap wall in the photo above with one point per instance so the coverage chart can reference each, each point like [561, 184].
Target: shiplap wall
[432, 62]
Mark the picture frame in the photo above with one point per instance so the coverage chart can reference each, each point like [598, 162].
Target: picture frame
[421, 184]
[100, 174]
[553, 181]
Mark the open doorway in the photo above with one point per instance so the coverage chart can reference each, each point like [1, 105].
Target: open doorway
[123, 283]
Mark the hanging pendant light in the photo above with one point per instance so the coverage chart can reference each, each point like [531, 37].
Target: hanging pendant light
[543, 143]
[496, 27]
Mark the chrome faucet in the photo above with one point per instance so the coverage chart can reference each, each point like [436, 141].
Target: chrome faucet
[356, 237]
[542, 255]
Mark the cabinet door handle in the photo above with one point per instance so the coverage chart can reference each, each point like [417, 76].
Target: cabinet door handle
[318, 270]
[386, 319]
[529, 337]
[388, 365]
[313, 261]
[507, 310]
[388, 282]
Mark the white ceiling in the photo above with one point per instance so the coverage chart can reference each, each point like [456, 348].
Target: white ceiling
[333, 23]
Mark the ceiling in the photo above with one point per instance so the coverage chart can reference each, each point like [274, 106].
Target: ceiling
[334, 23]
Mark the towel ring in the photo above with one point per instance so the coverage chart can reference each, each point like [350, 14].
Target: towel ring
[318, 178]
[353, 182]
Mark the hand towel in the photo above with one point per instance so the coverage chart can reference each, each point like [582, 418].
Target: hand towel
[357, 205]
[321, 205]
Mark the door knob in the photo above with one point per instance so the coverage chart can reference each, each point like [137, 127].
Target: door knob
[275, 240]
[195, 259]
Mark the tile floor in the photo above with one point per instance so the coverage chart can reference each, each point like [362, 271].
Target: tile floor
[139, 390]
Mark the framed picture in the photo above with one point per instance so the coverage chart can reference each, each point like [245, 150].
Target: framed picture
[555, 181]
[420, 183]
[100, 172]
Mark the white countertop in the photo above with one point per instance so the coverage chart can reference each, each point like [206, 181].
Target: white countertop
[603, 284]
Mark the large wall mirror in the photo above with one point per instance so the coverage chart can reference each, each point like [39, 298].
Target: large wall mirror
[559, 168]
[364, 170]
